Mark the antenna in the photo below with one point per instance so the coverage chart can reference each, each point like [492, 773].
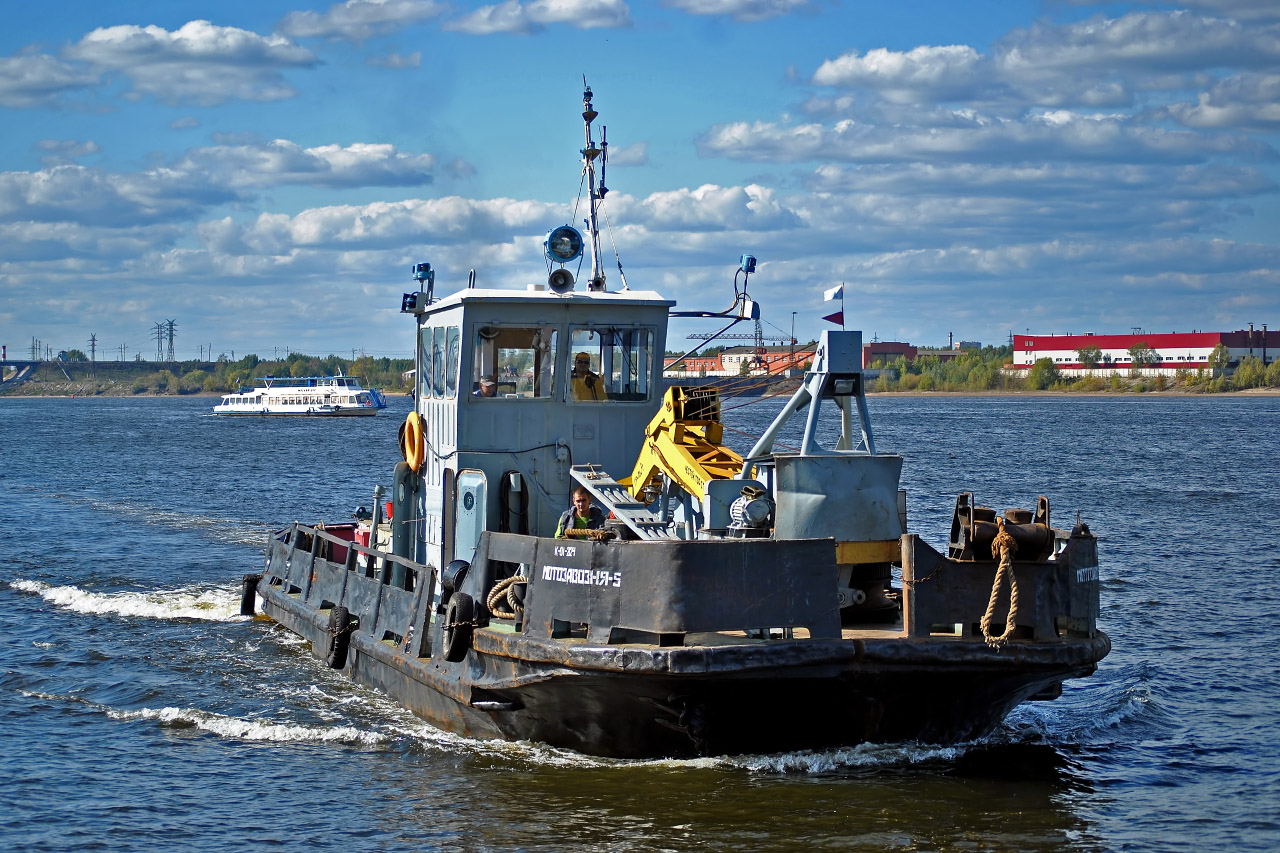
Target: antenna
[589, 155]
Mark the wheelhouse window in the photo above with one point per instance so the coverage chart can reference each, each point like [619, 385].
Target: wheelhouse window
[514, 362]
[440, 347]
[453, 348]
[610, 364]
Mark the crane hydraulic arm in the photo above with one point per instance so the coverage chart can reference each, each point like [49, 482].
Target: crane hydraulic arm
[683, 442]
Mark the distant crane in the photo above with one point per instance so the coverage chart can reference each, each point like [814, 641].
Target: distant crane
[758, 338]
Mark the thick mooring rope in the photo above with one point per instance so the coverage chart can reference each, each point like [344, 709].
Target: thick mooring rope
[1005, 546]
[502, 592]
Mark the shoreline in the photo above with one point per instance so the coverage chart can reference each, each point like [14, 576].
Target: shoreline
[1180, 393]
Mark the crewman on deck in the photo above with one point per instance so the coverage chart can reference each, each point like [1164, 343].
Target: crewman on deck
[583, 519]
[586, 385]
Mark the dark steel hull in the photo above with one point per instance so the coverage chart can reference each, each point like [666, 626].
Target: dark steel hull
[644, 700]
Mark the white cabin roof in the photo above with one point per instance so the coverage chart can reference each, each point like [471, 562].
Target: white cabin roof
[613, 298]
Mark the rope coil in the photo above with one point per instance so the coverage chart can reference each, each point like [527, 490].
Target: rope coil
[502, 591]
[1005, 546]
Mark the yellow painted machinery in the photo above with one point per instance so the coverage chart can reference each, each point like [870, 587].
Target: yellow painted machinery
[683, 442]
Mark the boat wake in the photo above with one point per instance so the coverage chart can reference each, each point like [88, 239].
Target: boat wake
[209, 604]
[251, 730]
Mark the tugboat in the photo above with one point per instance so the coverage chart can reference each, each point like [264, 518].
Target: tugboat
[704, 602]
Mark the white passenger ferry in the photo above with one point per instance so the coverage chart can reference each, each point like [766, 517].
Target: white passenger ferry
[303, 396]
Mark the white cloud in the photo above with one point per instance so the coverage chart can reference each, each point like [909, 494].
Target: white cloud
[37, 79]
[741, 10]
[1099, 63]
[521, 17]
[635, 154]
[1247, 100]
[202, 178]
[708, 208]
[384, 224]
[76, 194]
[1057, 135]
[199, 62]
[1147, 41]
[1240, 10]
[282, 162]
[921, 74]
[357, 20]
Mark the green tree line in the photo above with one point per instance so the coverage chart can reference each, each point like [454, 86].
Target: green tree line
[224, 376]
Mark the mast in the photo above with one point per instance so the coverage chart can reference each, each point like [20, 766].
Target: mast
[589, 155]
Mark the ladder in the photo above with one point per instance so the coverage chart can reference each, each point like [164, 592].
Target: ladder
[617, 500]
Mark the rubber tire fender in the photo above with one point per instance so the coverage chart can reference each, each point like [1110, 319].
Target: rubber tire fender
[249, 594]
[458, 626]
[335, 653]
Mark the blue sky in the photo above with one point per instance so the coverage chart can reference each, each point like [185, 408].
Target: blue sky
[265, 173]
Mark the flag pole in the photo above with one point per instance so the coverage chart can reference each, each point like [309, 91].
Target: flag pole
[842, 306]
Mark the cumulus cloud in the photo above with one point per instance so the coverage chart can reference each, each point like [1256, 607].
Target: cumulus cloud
[77, 194]
[37, 80]
[1148, 41]
[709, 208]
[1055, 135]
[524, 17]
[199, 180]
[1248, 100]
[921, 74]
[1099, 63]
[281, 162]
[741, 10]
[199, 62]
[1240, 10]
[635, 154]
[357, 20]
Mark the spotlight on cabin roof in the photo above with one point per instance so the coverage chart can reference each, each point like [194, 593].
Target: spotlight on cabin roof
[563, 244]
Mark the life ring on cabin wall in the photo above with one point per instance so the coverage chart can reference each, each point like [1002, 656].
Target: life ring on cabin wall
[414, 444]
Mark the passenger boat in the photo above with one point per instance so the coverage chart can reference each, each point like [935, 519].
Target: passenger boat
[303, 396]
[729, 604]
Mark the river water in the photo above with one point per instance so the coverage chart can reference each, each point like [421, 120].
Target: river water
[139, 711]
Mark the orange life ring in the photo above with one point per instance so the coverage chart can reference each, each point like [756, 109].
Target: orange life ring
[415, 445]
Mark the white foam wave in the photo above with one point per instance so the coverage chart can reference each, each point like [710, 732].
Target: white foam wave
[212, 605]
[251, 730]
[834, 760]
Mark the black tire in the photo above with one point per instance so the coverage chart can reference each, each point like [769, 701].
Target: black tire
[249, 594]
[335, 655]
[458, 626]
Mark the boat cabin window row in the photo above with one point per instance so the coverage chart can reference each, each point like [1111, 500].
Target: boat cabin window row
[607, 364]
[440, 347]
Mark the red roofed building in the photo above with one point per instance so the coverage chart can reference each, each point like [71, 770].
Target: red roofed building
[1172, 351]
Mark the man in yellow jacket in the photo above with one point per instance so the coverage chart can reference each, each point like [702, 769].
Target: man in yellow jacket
[586, 385]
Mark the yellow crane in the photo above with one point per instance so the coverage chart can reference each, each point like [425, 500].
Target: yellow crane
[683, 442]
